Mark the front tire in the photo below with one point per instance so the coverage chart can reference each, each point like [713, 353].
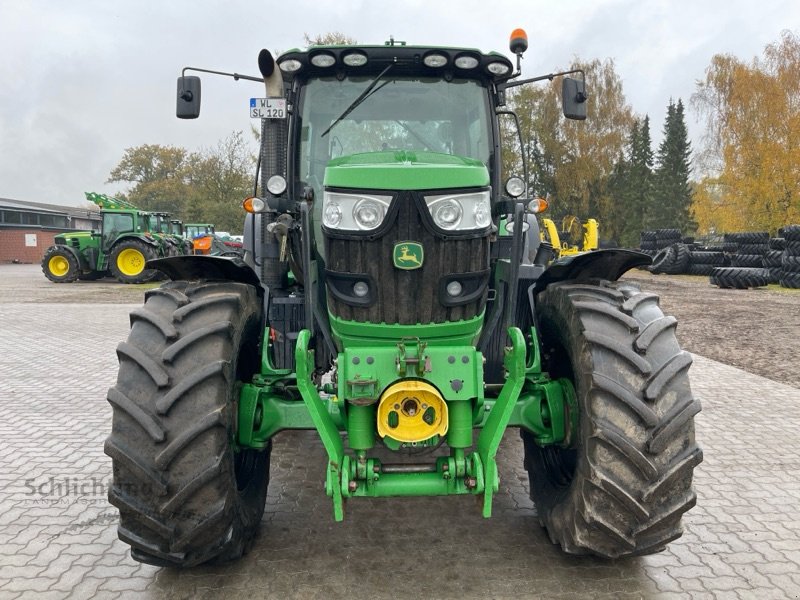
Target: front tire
[184, 494]
[128, 259]
[621, 486]
[59, 265]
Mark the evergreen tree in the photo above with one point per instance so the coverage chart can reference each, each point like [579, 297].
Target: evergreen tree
[672, 191]
[632, 183]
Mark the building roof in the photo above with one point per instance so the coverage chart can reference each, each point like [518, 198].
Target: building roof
[41, 207]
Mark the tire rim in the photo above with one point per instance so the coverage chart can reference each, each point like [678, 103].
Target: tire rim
[130, 262]
[58, 265]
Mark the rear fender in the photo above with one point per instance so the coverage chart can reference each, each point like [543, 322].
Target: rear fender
[601, 264]
[194, 267]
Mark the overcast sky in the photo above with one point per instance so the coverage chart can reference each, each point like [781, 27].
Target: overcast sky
[82, 80]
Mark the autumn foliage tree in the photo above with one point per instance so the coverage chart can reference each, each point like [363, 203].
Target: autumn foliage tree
[572, 161]
[208, 185]
[752, 145]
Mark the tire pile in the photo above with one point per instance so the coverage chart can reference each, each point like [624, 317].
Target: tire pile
[789, 273]
[745, 260]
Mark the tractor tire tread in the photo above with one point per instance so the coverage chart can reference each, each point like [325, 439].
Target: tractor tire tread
[620, 499]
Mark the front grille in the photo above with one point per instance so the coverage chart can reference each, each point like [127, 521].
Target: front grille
[406, 297]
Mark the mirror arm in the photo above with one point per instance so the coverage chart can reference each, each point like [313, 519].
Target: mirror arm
[236, 76]
[551, 76]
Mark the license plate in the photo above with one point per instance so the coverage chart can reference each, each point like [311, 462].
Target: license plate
[268, 108]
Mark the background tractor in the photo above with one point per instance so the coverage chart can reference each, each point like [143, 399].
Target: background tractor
[128, 238]
[379, 304]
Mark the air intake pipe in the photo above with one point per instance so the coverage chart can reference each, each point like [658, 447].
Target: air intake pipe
[274, 139]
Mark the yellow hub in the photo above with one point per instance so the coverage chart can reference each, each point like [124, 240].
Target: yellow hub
[412, 411]
[130, 262]
[58, 265]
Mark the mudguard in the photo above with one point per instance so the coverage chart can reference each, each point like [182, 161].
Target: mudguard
[192, 267]
[82, 262]
[600, 264]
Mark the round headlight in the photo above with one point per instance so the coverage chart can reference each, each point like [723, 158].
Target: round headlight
[368, 214]
[435, 60]
[510, 226]
[515, 187]
[454, 289]
[355, 59]
[290, 65]
[323, 59]
[447, 214]
[466, 62]
[482, 214]
[332, 215]
[360, 288]
[276, 185]
[498, 68]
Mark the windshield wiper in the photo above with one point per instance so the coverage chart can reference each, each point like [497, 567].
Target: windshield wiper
[363, 96]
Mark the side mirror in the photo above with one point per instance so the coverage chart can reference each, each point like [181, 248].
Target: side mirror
[188, 102]
[573, 98]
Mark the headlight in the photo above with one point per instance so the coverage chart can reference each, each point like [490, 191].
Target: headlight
[515, 187]
[276, 185]
[354, 212]
[461, 212]
[447, 213]
[368, 213]
[332, 214]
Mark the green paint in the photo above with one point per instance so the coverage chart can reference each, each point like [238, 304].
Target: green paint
[455, 371]
[357, 334]
[408, 255]
[492, 433]
[329, 433]
[404, 170]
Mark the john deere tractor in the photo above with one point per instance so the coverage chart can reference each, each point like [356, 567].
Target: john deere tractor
[378, 305]
[128, 238]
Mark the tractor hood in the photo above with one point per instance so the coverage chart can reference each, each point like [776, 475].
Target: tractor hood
[74, 235]
[405, 170]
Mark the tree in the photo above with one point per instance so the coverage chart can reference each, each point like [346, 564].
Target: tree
[573, 161]
[208, 185]
[632, 185]
[752, 142]
[332, 38]
[158, 174]
[672, 193]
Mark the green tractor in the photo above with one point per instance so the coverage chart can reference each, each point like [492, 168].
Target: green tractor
[124, 244]
[170, 234]
[377, 304]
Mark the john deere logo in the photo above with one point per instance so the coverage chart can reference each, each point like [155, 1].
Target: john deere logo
[408, 255]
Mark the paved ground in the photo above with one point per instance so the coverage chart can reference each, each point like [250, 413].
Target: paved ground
[58, 533]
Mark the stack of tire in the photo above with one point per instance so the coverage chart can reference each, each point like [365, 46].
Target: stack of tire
[790, 259]
[654, 240]
[703, 261]
[747, 252]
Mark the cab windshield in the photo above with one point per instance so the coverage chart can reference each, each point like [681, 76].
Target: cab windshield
[400, 113]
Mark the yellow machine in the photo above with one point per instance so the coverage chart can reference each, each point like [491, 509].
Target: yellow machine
[572, 231]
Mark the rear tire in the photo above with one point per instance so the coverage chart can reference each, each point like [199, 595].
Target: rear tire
[184, 494]
[59, 265]
[623, 483]
[127, 262]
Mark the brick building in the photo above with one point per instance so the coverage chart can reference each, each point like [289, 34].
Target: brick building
[27, 229]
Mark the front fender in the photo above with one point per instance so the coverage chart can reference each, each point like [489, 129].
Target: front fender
[193, 267]
[600, 264]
